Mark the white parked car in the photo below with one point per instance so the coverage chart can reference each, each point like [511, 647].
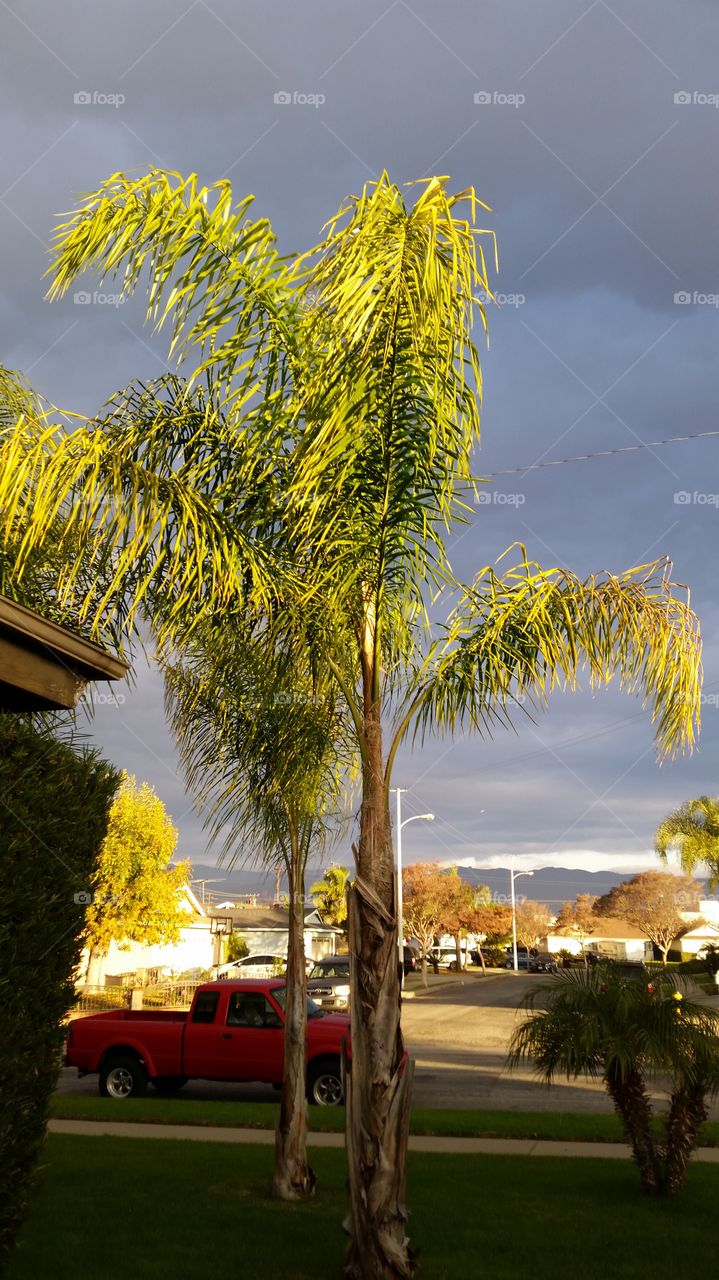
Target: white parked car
[256, 965]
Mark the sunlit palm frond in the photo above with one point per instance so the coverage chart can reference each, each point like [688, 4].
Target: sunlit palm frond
[214, 273]
[515, 637]
[692, 831]
[158, 492]
[391, 401]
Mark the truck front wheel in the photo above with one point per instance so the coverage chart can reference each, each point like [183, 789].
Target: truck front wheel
[123, 1076]
[324, 1082]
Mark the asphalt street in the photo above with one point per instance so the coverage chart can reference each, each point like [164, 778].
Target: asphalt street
[458, 1036]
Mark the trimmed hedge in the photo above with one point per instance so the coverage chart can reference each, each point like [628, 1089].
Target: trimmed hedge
[54, 804]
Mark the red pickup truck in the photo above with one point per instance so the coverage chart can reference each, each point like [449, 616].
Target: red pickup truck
[233, 1031]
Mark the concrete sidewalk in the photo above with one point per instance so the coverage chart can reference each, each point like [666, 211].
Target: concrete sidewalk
[432, 1145]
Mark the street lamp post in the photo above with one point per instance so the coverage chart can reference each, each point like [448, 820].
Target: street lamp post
[514, 875]
[417, 817]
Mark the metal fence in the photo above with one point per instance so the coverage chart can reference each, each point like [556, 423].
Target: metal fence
[101, 999]
[159, 995]
[168, 995]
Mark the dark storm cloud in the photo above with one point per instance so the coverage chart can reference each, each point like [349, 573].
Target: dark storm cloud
[604, 195]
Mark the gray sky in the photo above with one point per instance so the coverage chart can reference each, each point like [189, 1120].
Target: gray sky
[603, 184]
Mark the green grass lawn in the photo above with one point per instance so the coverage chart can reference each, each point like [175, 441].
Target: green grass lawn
[109, 1208]
[562, 1126]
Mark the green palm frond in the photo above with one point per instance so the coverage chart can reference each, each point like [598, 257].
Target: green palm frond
[262, 743]
[595, 1021]
[214, 273]
[515, 637]
[692, 831]
[160, 492]
[391, 400]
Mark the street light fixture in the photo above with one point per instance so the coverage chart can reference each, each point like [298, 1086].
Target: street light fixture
[514, 875]
[417, 817]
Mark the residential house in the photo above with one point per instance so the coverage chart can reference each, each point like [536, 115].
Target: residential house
[266, 929]
[612, 939]
[195, 950]
[702, 930]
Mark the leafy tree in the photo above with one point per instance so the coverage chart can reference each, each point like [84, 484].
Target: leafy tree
[533, 922]
[597, 1023]
[577, 919]
[54, 802]
[425, 889]
[459, 916]
[236, 948]
[306, 473]
[692, 832]
[259, 742]
[135, 890]
[329, 896]
[653, 901]
[494, 921]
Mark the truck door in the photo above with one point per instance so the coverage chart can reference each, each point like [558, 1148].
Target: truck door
[246, 1044]
[203, 1049]
[253, 1037]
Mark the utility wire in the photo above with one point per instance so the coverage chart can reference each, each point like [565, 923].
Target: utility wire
[601, 453]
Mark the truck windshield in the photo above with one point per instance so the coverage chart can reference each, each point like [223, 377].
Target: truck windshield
[280, 995]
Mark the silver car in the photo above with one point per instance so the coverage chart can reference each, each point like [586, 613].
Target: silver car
[328, 983]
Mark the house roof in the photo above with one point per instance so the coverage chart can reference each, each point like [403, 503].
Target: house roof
[43, 666]
[705, 929]
[268, 918]
[608, 928]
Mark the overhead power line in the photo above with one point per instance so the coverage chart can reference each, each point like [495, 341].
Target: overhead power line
[600, 453]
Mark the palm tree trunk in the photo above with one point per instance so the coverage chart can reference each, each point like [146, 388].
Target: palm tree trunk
[631, 1102]
[687, 1114]
[293, 1177]
[379, 1081]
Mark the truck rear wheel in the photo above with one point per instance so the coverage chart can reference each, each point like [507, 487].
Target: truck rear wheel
[123, 1076]
[324, 1082]
[168, 1084]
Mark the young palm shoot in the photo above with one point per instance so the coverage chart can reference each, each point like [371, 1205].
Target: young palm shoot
[596, 1023]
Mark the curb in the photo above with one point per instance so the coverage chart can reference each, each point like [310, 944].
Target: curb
[424, 1143]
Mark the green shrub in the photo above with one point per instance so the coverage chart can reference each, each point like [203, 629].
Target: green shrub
[54, 802]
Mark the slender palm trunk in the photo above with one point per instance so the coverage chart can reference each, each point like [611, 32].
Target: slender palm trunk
[687, 1114]
[631, 1102]
[380, 1079]
[293, 1177]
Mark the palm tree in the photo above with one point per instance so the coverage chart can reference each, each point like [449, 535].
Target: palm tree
[330, 895]
[260, 743]
[599, 1024]
[692, 831]
[307, 472]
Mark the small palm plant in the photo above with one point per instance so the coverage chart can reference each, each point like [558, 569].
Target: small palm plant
[627, 1031]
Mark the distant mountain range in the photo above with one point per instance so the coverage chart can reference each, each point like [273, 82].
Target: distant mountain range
[553, 885]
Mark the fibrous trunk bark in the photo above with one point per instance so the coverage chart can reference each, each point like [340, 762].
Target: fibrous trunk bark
[687, 1114]
[379, 1081]
[631, 1102]
[293, 1177]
